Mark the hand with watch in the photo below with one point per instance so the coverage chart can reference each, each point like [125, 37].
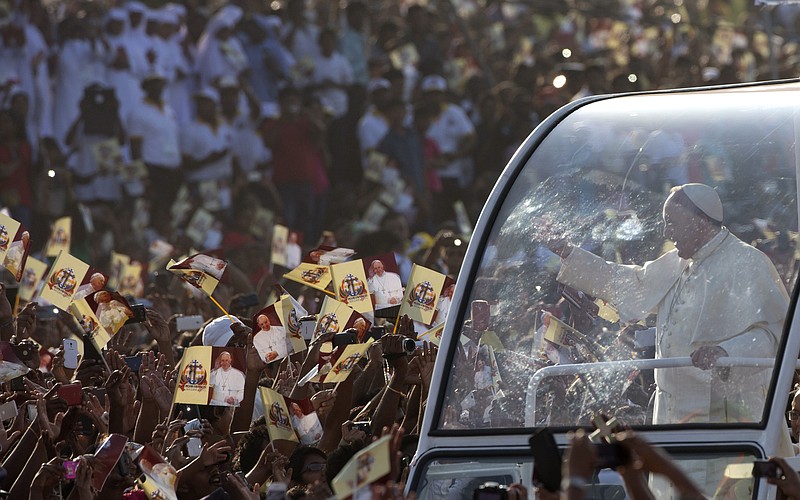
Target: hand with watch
[579, 463]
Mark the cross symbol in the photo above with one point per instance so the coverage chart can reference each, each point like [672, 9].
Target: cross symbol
[604, 429]
[350, 284]
[425, 291]
[193, 367]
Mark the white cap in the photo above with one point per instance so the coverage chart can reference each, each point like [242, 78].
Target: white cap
[377, 84]
[433, 83]
[705, 199]
[208, 93]
[218, 332]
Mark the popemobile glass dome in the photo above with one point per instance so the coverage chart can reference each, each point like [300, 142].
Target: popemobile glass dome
[597, 174]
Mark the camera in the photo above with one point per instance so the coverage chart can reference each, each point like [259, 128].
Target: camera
[362, 426]
[765, 468]
[490, 491]
[344, 338]
[409, 345]
[611, 455]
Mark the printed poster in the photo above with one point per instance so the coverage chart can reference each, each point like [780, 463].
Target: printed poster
[199, 270]
[86, 317]
[422, 294]
[8, 231]
[66, 275]
[280, 238]
[31, 277]
[111, 310]
[305, 420]
[17, 254]
[433, 336]
[158, 476]
[290, 312]
[60, 237]
[335, 316]
[211, 376]
[351, 355]
[366, 467]
[325, 255]
[270, 340]
[350, 285]
[383, 280]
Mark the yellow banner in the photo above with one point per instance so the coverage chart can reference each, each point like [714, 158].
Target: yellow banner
[332, 317]
[422, 294]
[279, 424]
[118, 263]
[367, 466]
[280, 240]
[313, 275]
[290, 316]
[194, 375]
[90, 324]
[350, 285]
[347, 361]
[60, 237]
[195, 277]
[31, 277]
[130, 282]
[65, 277]
[8, 230]
[434, 335]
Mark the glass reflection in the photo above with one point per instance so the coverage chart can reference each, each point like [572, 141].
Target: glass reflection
[594, 193]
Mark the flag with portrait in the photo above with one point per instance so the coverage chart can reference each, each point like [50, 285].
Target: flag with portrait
[67, 274]
[60, 237]
[366, 467]
[276, 412]
[422, 294]
[312, 275]
[8, 231]
[350, 285]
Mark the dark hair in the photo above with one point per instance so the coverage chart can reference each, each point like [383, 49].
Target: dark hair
[289, 91]
[298, 459]
[250, 447]
[339, 458]
[680, 197]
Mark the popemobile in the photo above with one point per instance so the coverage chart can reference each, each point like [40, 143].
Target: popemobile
[635, 265]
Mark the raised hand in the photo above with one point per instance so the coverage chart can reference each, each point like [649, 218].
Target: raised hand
[323, 402]
[26, 321]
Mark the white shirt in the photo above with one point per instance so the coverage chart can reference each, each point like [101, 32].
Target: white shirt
[246, 144]
[385, 288]
[272, 340]
[372, 128]
[448, 130]
[227, 383]
[198, 140]
[336, 69]
[308, 428]
[158, 129]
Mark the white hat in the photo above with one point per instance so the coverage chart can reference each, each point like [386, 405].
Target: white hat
[208, 93]
[218, 332]
[135, 6]
[705, 199]
[378, 84]
[433, 83]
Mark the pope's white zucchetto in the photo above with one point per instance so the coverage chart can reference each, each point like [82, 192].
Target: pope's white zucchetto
[705, 199]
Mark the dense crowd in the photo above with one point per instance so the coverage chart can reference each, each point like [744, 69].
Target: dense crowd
[377, 126]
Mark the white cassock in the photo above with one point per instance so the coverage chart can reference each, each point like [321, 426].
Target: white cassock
[112, 315]
[729, 295]
[385, 288]
[227, 383]
[274, 339]
[308, 428]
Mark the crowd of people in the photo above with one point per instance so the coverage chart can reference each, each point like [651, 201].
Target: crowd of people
[377, 126]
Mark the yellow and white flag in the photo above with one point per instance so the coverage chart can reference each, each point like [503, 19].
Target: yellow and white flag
[313, 275]
[290, 312]
[276, 411]
[194, 374]
[366, 467]
[606, 311]
[351, 355]
[350, 285]
[118, 263]
[434, 335]
[60, 237]
[66, 275]
[130, 282]
[90, 323]
[31, 277]
[199, 270]
[8, 230]
[422, 294]
[332, 317]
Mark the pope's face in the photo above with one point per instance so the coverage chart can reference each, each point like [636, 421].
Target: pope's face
[681, 228]
[263, 322]
[377, 268]
[225, 361]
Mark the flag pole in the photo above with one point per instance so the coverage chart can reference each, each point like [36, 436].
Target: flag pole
[221, 308]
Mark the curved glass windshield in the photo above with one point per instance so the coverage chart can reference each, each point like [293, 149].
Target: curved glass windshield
[594, 296]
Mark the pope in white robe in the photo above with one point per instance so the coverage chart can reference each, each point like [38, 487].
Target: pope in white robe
[271, 341]
[713, 295]
[227, 383]
[385, 285]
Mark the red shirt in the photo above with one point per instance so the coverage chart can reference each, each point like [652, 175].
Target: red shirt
[295, 156]
[18, 180]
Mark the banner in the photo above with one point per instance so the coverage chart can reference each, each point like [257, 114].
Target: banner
[270, 340]
[383, 280]
[347, 361]
[31, 277]
[291, 311]
[366, 467]
[8, 231]
[211, 376]
[17, 254]
[60, 237]
[312, 275]
[280, 238]
[199, 270]
[158, 476]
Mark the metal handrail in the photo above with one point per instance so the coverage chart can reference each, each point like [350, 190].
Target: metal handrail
[629, 364]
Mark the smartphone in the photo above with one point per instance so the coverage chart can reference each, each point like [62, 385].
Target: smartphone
[546, 459]
[32, 412]
[8, 410]
[611, 455]
[363, 426]
[70, 354]
[188, 323]
[193, 425]
[765, 468]
[139, 314]
[71, 393]
[18, 384]
[480, 315]
[307, 324]
[345, 338]
[194, 447]
[134, 363]
[98, 392]
[70, 467]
